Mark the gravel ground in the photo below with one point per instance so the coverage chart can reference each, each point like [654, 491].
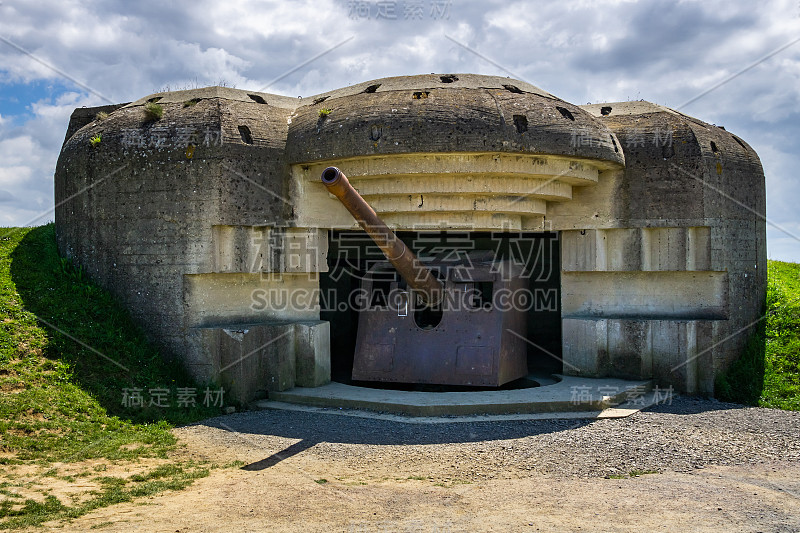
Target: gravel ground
[721, 468]
[687, 435]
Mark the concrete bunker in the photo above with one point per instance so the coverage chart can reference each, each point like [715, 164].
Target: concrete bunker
[197, 219]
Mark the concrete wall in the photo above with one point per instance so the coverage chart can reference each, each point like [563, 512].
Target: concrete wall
[203, 221]
[182, 218]
[666, 276]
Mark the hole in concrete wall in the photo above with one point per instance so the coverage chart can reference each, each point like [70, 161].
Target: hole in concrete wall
[521, 123]
[372, 88]
[614, 142]
[320, 99]
[352, 253]
[448, 78]
[190, 103]
[738, 140]
[512, 88]
[154, 99]
[247, 137]
[257, 99]
[605, 110]
[419, 95]
[375, 132]
[714, 147]
[565, 113]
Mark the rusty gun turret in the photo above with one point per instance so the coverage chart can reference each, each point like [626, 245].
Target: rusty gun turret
[417, 275]
[461, 334]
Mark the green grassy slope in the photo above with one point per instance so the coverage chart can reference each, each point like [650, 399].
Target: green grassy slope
[67, 352]
[768, 374]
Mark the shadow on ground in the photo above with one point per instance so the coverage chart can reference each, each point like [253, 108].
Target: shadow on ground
[312, 428]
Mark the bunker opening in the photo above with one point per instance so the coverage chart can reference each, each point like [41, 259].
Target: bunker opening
[361, 286]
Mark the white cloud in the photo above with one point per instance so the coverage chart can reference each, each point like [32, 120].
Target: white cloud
[579, 50]
[12, 176]
[28, 155]
[783, 242]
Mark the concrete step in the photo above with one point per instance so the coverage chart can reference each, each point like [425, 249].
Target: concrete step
[567, 395]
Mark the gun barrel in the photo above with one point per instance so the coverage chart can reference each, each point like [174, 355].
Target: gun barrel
[416, 274]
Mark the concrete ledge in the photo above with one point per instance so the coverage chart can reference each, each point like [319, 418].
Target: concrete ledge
[570, 395]
[621, 411]
[676, 295]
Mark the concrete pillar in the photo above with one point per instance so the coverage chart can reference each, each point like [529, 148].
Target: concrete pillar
[312, 353]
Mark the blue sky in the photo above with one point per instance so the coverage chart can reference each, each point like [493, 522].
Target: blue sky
[16, 98]
[583, 51]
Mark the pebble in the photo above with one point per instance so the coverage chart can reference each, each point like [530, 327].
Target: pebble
[687, 435]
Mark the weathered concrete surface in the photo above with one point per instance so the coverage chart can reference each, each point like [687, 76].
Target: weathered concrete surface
[691, 200]
[312, 353]
[680, 295]
[143, 203]
[192, 219]
[252, 360]
[569, 395]
[422, 114]
[475, 191]
[250, 297]
[620, 411]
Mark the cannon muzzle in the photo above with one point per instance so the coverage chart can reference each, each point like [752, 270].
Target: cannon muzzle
[416, 274]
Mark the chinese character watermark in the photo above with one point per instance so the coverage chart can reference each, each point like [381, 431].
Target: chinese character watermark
[581, 394]
[634, 138]
[132, 397]
[186, 397]
[637, 137]
[580, 137]
[183, 138]
[636, 395]
[399, 9]
[663, 396]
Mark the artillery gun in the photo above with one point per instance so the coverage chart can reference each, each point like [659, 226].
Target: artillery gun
[452, 321]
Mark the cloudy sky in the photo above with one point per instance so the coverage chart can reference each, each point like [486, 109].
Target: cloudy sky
[742, 59]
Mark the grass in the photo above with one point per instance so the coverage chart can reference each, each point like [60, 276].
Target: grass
[153, 111]
[632, 474]
[94, 141]
[67, 352]
[324, 112]
[112, 490]
[637, 473]
[768, 373]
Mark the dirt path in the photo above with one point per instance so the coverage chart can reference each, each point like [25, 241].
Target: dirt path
[721, 468]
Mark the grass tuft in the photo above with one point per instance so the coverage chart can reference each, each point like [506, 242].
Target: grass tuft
[153, 111]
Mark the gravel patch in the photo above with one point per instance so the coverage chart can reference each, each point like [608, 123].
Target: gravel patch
[687, 435]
